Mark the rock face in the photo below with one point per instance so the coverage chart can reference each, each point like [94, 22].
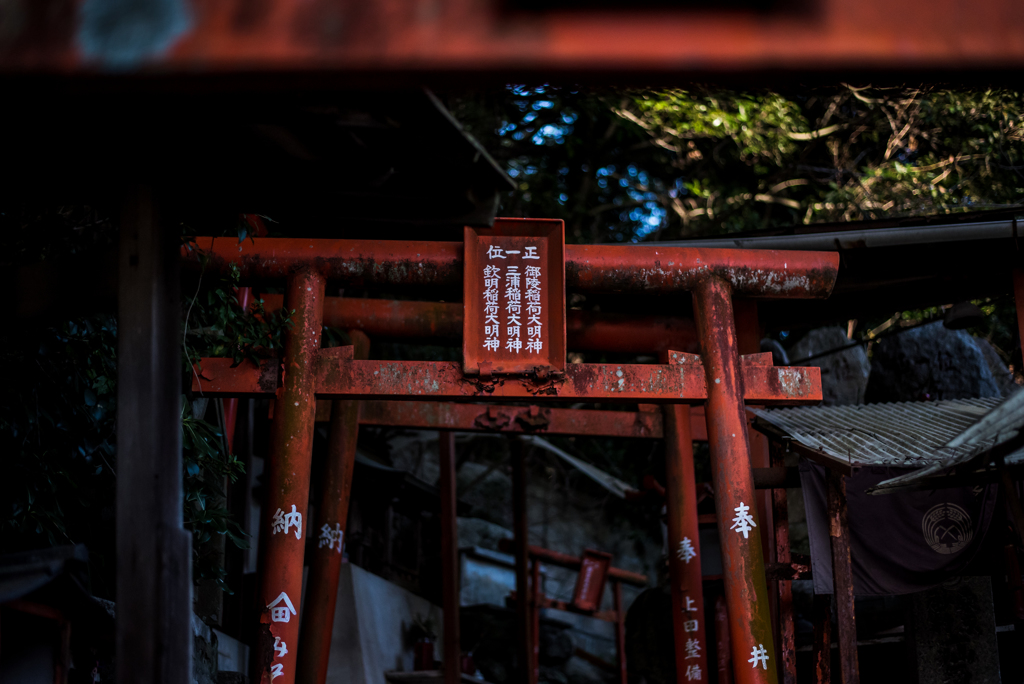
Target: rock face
[1000, 373]
[482, 533]
[929, 363]
[844, 375]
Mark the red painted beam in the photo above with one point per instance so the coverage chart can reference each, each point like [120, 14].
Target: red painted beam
[450, 415]
[564, 560]
[283, 44]
[650, 269]
[433, 415]
[338, 377]
[384, 319]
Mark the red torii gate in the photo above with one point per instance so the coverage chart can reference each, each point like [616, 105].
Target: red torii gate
[717, 377]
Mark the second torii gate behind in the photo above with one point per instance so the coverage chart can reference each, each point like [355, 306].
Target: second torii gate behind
[716, 377]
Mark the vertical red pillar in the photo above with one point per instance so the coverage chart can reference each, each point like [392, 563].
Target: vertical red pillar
[452, 656]
[325, 565]
[722, 641]
[524, 631]
[746, 592]
[283, 531]
[620, 632]
[688, 626]
[1018, 295]
[786, 631]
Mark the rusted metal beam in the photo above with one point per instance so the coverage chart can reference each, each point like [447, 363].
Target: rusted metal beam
[684, 380]
[282, 540]
[842, 578]
[689, 630]
[746, 593]
[332, 520]
[452, 656]
[442, 321]
[783, 589]
[564, 560]
[588, 268]
[545, 420]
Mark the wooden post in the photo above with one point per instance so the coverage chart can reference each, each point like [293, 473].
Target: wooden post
[842, 578]
[620, 633]
[784, 588]
[1018, 295]
[822, 639]
[154, 551]
[452, 656]
[522, 542]
[535, 603]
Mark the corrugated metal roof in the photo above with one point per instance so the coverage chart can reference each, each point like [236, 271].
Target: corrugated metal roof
[906, 434]
[996, 427]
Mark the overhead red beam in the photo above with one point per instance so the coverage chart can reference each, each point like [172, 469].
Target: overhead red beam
[537, 420]
[338, 377]
[650, 269]
[436, 415]
[442, 321]
[280, 43]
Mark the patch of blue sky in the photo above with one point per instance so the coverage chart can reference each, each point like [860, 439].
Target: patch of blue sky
[650, 217]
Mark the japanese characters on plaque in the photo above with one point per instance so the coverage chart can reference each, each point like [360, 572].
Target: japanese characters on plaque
[514, 298]
[519, 304]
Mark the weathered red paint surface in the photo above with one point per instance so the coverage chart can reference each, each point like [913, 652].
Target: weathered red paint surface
[722, 638]
[449, 415]
[689, 630]
[504, 252]
[338, 377]
[442, 321]
[564, 560]
[274, 44]
[842, 579]
[433, 415]
[785, 627]
[332, 521]
[287, 487]
[590, 579]
[746, 591]
[588, 268]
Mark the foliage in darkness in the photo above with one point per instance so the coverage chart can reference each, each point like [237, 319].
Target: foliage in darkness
[624, 166]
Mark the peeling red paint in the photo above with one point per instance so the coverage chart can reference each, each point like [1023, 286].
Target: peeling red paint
[588, 268]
